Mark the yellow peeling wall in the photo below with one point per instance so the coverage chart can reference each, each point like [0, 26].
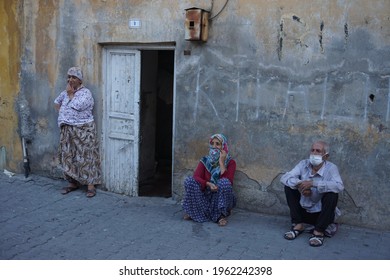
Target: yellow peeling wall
[10, 144]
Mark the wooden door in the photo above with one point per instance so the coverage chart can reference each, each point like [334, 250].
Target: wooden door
[121, 99]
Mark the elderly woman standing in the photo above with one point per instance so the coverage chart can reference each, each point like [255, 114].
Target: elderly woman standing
[209, 192]
[78, 149]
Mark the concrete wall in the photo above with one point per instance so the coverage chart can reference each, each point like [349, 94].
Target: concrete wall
[273, 76]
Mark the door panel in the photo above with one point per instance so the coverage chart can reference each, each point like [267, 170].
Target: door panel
[121, 121]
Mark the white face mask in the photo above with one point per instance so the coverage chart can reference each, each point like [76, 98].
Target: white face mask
[315, 160]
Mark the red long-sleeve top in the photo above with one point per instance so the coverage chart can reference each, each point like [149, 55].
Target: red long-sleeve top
[202, 176]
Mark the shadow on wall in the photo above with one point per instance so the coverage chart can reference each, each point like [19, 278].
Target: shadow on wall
[254, 197]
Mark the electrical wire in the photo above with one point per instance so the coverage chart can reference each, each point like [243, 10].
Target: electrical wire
[212, 3]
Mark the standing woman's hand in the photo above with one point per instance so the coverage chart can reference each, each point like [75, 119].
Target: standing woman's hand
[70, 91]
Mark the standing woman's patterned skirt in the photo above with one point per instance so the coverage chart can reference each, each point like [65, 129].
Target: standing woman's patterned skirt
[208, 206]
[78, 154]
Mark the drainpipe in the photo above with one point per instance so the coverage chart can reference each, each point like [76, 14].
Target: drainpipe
[25, 131]
[26, 164]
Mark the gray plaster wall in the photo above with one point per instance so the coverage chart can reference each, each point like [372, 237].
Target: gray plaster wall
[273, 76]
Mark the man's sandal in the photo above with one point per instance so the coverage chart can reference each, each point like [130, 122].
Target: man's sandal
[292, 234]
[316, 240]
[68, 189]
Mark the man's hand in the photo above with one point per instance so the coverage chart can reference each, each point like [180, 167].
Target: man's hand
[304, 187]
[306, 192]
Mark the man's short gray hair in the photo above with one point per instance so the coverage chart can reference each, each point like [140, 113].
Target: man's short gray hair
[326, 146]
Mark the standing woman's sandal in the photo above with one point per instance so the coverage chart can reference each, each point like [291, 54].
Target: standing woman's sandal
[68, 189]
[91, 193]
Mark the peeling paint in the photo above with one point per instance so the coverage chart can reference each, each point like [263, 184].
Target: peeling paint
[11, 148]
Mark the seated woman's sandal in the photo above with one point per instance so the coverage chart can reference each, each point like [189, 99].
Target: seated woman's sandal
[222, 222]
[187, 217]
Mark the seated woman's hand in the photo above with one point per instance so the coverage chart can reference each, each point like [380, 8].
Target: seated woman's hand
[212, 187]
[222, 156]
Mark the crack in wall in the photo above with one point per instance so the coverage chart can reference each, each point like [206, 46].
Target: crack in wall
[346, 34]
[320, 36]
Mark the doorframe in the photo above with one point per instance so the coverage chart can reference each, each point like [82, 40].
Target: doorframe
[140, 47]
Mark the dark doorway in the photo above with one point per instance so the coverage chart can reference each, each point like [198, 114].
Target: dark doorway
[156, 122]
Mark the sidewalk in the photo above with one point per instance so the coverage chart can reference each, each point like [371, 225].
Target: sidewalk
[38, 223]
